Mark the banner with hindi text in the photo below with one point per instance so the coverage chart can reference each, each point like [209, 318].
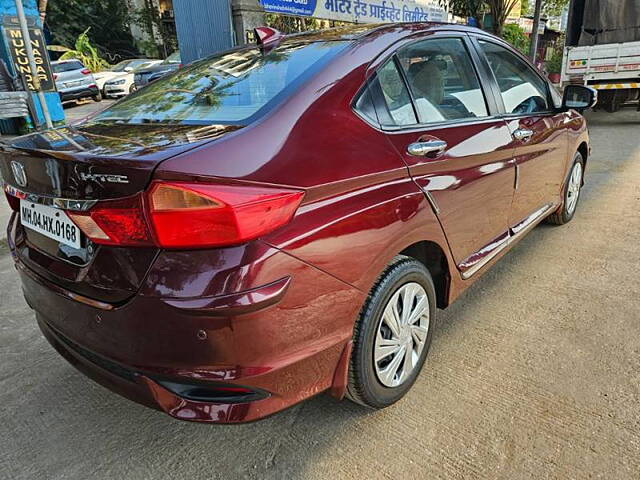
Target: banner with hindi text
[361, 11]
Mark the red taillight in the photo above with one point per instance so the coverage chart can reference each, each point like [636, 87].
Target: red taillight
[115, 222]
[14, 202]
[200, 215]
[55, 76]
[189, 215]
[85, 71]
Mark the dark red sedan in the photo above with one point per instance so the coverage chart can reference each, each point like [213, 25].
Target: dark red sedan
[284, 219]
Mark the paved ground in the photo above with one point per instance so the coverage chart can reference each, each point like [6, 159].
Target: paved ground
[534, 373]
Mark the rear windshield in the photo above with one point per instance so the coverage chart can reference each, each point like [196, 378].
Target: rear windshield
[67, 66]
[120, 67]
[232, 88]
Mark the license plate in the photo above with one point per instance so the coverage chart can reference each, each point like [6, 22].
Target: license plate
[50, 222]
[73, 84]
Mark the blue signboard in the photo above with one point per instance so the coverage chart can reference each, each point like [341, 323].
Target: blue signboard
[303, 8]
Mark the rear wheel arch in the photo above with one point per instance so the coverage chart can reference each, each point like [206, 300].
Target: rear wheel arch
[433, 257]
[583, 148]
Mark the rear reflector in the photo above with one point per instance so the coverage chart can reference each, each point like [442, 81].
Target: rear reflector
[189, 215]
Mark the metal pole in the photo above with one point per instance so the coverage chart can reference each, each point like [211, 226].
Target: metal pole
[32, 63]
[533, 47]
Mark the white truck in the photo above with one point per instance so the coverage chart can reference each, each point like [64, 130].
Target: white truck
[603, 51]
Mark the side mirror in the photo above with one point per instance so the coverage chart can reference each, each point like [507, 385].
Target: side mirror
[579, 97]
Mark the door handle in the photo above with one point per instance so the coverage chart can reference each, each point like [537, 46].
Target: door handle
[523, 134]
[422, 149]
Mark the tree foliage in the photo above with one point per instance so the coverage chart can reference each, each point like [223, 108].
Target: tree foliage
[287, 24]
[554, 64]
[83, 51]
[553, 8]
[108, 20]
[515, 36]
[467, 8]
[499, 10]
[161, 41]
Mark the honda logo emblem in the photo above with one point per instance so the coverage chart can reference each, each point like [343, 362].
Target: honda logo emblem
[19, 174]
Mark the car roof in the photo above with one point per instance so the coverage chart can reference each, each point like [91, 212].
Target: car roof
[361, 31]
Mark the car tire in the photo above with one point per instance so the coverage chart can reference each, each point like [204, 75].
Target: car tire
[97, 97]
[570, 194]
[371, 379]
[132, 88]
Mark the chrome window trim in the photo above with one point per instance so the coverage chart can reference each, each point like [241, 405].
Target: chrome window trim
[56, 202]
[390, 52]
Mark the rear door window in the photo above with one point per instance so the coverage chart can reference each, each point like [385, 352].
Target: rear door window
[443, 81]
[385, 100]
[67, 66]
[522, 90]
[396, 96]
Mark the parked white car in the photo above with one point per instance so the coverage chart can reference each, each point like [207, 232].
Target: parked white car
[124, 83]
[121, 68]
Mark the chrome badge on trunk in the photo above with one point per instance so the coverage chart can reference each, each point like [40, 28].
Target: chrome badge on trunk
[19, 174]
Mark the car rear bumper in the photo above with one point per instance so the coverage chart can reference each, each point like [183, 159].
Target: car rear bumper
[274, 341]
[141, 388]
[76, 93]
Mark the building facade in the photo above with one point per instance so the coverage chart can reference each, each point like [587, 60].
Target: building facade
[153, 26]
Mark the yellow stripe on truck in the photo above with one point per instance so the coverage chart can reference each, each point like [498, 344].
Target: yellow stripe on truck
[615, 86]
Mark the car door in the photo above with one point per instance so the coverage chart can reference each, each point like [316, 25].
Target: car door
[539, 131]
[429, 101]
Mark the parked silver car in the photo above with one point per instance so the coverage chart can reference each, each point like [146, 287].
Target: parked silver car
[74, 81]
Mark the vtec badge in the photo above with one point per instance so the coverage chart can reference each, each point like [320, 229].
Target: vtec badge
[104, 177]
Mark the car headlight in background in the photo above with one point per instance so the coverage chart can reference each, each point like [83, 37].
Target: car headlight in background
[117, 82]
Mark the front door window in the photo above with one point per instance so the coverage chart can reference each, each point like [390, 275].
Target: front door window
[521, 89]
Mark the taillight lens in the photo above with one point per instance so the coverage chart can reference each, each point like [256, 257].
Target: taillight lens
[85, 71]
[189, 215]
[200, 215]
[115, 222]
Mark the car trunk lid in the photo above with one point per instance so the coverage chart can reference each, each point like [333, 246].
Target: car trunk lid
[73, 168]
